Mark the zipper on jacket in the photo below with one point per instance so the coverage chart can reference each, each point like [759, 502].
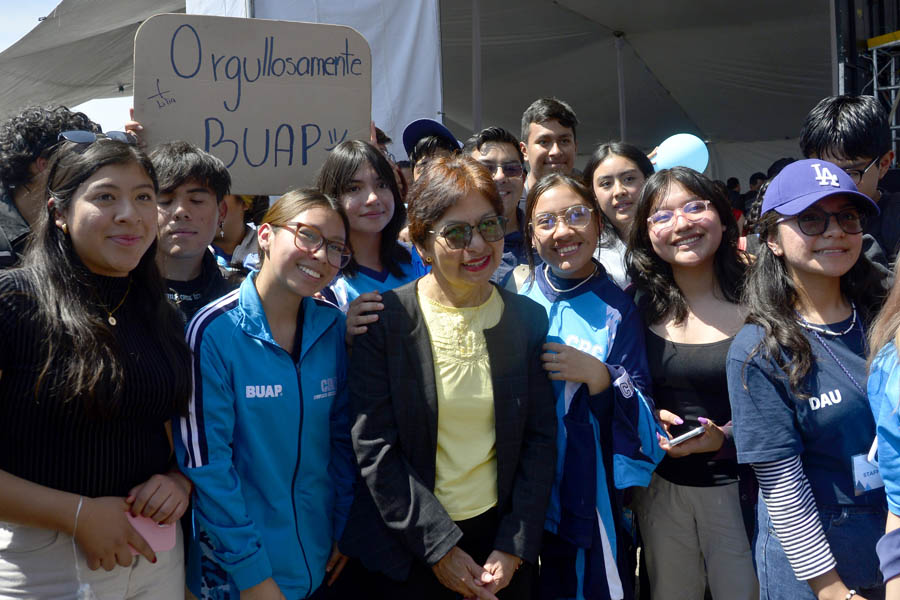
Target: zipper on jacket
[294, 481]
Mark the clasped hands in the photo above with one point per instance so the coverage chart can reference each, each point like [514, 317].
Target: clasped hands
[459, 572]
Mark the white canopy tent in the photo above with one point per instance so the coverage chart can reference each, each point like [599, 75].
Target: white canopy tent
[740, 75]
[82, 50]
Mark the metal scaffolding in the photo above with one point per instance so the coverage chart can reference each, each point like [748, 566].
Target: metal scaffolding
[884, 51]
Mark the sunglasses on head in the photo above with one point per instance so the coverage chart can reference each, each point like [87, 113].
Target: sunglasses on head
[89, 137]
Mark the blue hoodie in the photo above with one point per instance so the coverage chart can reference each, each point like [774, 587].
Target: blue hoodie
[267, 445]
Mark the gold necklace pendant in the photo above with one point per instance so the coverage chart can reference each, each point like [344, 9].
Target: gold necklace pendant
[109, 313]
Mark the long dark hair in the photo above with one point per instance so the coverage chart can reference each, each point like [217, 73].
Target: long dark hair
[771, 298]
[601, 153]
[333, 180]
[652, 275]
[64, 289]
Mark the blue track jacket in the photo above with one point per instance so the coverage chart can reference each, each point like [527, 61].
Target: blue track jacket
[884, 398]
[606, 442]
[267, 445]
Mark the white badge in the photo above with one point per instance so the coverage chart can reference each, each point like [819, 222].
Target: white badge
[866, 476]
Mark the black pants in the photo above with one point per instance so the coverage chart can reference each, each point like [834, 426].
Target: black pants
[477, 541]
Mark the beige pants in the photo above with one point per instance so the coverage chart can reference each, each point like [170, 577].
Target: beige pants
[40, 564]
[693, 535]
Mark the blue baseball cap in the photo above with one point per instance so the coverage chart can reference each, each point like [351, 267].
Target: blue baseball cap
[804, 182]
[420, 128]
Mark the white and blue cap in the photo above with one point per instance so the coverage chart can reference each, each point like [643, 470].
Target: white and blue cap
[420, 128]
[804, 182]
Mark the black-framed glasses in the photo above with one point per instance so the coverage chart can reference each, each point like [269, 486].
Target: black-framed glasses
[309, 238]
[576, 217]
[857, 174]
[89, 137]
[815, 221]
[510, 169]
[459, 235]
[692, 211]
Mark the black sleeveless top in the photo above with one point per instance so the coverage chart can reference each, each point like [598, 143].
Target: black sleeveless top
[689, 380]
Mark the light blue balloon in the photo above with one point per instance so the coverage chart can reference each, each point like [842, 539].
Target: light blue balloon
[682, 150]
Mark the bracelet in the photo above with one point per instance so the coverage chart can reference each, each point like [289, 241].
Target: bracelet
[850, 594]
[77, 513]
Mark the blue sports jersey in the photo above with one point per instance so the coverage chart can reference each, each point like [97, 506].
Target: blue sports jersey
[346, 288]
[606, 442]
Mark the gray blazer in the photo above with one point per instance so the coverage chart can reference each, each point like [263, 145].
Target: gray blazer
[395, 518]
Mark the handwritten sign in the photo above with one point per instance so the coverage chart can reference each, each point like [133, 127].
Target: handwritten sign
[270, 98]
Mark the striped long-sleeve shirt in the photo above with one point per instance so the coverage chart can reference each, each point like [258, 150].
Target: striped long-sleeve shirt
[802, 444]
[792, 508]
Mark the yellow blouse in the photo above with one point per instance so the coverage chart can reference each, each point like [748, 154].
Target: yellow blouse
[466, 465]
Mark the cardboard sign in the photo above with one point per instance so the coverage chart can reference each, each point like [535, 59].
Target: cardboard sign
[269, 98]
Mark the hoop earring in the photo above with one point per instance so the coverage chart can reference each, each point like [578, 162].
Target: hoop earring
[428, 260]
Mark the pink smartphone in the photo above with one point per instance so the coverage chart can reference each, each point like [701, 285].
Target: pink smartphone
[160, 537]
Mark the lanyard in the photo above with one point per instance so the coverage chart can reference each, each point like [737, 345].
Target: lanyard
[838, 361]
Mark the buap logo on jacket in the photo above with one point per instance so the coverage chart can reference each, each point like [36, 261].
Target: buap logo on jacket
[263, 391]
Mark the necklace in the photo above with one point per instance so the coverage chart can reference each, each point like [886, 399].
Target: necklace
[574, 287]
[109, 313]
[839, 363]
[803, 322]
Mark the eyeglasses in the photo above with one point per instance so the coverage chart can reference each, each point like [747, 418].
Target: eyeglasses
[857, 174]
[692, 211]
[89, 137]
[815, 222]
[459, 235]
[576, 217]
[510, 169]
[309, 239]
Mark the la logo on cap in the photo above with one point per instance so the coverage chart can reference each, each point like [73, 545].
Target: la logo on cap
[824, 176]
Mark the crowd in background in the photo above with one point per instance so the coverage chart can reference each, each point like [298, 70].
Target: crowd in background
[480, 373]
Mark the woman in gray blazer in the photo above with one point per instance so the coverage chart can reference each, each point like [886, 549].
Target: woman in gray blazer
[455, 421]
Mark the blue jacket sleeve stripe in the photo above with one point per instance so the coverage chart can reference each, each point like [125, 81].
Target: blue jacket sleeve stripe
[883, 393]
[193, 430]
[636, 451]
